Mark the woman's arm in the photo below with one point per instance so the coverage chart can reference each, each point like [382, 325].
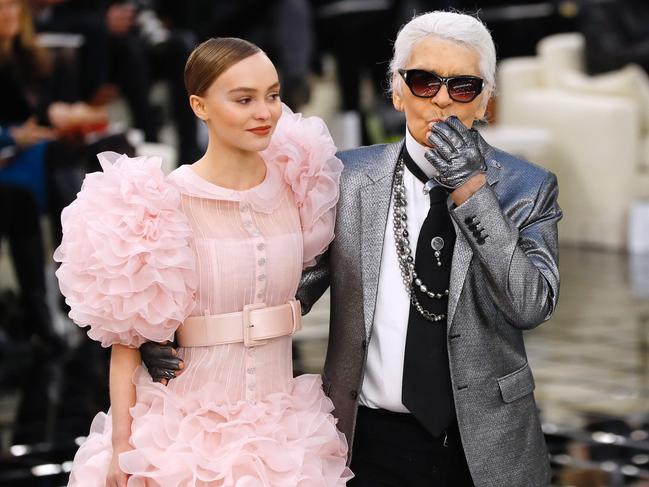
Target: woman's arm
[123, 362]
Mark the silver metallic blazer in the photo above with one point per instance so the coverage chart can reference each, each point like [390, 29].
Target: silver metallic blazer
[504, 280]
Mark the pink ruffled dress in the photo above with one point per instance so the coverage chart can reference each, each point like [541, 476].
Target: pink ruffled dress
[141, 252]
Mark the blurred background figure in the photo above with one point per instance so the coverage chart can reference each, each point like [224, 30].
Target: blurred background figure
[282, 28]
[616, 33]
[358, 34]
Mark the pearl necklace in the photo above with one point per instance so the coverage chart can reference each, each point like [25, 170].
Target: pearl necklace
[406, 261]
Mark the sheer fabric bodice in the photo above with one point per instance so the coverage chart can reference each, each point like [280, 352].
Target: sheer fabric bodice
[245, 254]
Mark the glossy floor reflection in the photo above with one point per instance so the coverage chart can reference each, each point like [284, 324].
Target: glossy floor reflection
[591, 364]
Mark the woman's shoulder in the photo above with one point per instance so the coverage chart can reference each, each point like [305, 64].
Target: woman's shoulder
[127, 267]
[304, 151]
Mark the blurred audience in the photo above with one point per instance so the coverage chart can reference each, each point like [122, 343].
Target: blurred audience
[53, 122]
[127, 44]
[43, 157]
[43, 140]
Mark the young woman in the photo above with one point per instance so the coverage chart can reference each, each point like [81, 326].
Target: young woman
[212, 254]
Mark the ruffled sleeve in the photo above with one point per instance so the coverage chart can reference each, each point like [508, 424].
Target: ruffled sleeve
[305, 151]
[127, 266]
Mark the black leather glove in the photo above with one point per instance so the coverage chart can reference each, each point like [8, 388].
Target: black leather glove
[161, 360]
[457, 153]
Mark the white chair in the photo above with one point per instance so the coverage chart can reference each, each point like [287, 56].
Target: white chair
[599, 127]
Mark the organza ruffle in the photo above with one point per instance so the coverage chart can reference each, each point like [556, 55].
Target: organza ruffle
[286, 439]
[305, 151]
[127, 268]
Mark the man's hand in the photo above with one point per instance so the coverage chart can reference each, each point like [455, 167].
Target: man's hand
[161, 360]
[456, 153]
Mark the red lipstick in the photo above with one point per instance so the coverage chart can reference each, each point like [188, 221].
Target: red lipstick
[261, 130]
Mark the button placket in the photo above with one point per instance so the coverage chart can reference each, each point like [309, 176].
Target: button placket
[260, 268]
[251, 378]
[259, 251]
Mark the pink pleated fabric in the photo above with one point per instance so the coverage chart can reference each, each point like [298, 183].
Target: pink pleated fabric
[236, 417]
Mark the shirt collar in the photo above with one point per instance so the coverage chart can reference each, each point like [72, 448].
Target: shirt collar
[417, 151]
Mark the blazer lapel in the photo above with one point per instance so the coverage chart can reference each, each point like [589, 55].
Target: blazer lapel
[462, 252]
[375, 195]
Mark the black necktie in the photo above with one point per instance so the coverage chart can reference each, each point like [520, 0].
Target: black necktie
[427, 390]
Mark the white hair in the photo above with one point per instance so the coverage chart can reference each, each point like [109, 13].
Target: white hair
[458, 28]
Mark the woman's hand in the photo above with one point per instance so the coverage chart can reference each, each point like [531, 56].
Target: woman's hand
[115, 477]
[30, 133]
[76, 117]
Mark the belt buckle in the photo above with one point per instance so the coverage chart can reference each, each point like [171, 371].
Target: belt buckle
[296, 315]
[247, 325]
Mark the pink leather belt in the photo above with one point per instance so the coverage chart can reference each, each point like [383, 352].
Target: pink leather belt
[253, 326]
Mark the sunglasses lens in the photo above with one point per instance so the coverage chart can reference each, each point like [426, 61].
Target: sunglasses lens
[464, 90]
[423, 83]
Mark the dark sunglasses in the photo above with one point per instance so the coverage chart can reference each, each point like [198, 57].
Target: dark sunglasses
[426, 84]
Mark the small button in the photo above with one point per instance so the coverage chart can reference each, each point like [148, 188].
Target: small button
[468, 220]
[261, 261]
[243, 207]
[472, 226]
[261, 246]
[354, 394]
[250, 370]
[477, 234]
[262, 277]
[260, 295]
[480, 241]
[247, 223]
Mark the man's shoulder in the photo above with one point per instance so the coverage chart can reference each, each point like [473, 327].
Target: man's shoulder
[517, 169]
[367, 157]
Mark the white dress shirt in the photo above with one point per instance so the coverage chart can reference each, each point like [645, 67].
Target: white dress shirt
[384, 369]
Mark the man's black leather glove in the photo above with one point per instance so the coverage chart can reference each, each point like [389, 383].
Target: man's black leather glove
[161, 360]
[457, 153]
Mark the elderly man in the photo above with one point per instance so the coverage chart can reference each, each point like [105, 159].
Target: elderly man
[445, 252]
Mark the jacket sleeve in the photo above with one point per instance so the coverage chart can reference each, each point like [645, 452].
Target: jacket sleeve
[520, 263]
